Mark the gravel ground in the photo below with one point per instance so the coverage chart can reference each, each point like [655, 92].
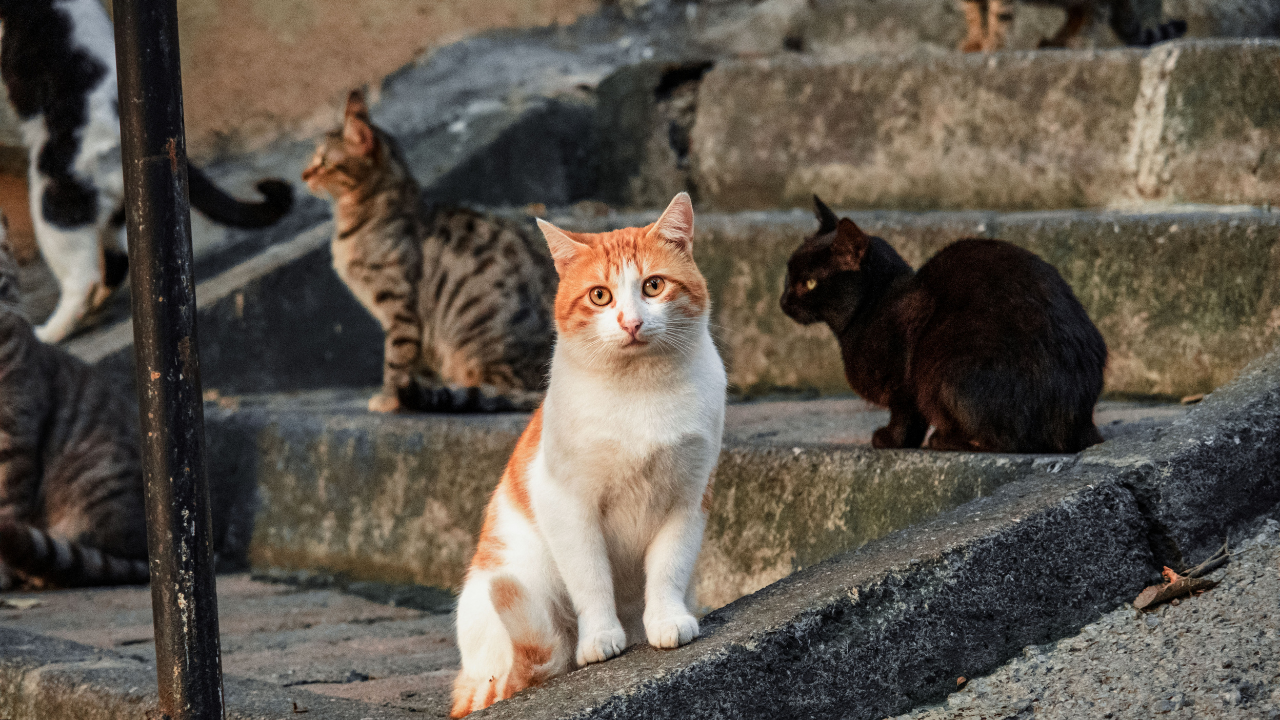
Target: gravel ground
[1213, 656]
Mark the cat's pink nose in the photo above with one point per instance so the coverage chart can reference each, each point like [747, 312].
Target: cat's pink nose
[631, 325]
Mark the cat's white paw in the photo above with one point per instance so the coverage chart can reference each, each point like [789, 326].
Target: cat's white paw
[671, 630]
[601, 645]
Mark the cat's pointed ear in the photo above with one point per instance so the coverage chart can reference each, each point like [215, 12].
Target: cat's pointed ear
[357, 134]
[563, 247]
[826, 219]
[849, 246]
[676, 224]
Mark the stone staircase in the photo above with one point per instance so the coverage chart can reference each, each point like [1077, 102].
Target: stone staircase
[1145, 176]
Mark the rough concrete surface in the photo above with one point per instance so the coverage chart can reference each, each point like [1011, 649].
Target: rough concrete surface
[315, 482]
[90, 654]
[1187, 121]
[1212, 656]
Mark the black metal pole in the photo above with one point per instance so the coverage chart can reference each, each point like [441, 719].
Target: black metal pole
[158, 218]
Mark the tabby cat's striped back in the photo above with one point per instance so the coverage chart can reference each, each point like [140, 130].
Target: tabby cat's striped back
[71, 499]
[463, 297]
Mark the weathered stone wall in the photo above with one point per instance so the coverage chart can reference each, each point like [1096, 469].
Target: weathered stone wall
[1189, 122]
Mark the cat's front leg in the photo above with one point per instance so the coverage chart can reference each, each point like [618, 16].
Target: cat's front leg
[572, 530]
[668, 567]
[402, 348]
[906, 429]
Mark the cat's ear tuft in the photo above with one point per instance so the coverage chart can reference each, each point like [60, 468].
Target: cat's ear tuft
[563, 248]
[849, 246]
[357, 133]
[676, 224]
[826, 219]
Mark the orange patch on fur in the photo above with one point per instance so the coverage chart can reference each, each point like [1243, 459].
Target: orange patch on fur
[516, 479]
[505, 593]
[707, 497]
[606, 255]
[526, 659]
[463, 695]
[489, 546]
[515, 486]
[491, 694]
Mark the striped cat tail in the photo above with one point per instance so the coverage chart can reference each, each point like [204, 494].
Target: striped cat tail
[482, 398]
[31, 552]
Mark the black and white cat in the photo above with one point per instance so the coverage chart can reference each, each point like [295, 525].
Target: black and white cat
[58, 62]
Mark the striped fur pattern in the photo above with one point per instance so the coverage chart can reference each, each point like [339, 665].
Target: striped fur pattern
[989, 22]
[464, 298]
[71, 498]
[590, 539]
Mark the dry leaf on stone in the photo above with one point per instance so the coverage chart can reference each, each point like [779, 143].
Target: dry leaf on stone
[1175, 586]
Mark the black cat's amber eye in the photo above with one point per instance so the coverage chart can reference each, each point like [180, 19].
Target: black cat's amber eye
[810, 284]
[653, 286]
[600, 296]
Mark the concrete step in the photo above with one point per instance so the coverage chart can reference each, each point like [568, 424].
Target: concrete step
[867, 634]
[1182, 122]
[1184, 299]
[314, 482]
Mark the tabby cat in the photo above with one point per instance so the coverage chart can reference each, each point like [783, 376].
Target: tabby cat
[58, 63]
[591, 537]
[989, 22]
[464, 298]
[986, 342]
[71, 502]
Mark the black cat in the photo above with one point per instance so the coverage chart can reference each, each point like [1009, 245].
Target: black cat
[986, 342]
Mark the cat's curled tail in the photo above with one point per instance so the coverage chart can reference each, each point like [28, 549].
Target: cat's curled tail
[481, 398]
[532, 652]
[35, 553]
[221, 208]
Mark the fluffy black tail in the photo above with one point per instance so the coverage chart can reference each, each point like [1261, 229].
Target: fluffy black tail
[33, 553]
[458, 399]
[226, 210]
[1148, 36]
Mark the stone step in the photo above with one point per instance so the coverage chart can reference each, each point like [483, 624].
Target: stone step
[1182, 122]
[867, 634]
[314, 482]
[1184, 299]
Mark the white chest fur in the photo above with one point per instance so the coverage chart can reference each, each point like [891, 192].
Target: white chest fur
[642, 433]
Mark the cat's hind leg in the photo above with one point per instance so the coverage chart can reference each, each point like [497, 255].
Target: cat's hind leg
[508, 640]
[1000, 14]
[906, 428]
[74, 255]
[1077, 18]
[975, 12]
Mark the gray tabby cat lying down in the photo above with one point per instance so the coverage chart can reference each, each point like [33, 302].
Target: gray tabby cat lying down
[465, 298]
[71, 504]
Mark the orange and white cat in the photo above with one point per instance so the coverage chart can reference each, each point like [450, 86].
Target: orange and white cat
[590, 539]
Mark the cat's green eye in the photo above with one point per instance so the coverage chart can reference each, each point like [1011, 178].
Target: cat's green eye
[600, 296]
[653, 286]
[810, 284]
